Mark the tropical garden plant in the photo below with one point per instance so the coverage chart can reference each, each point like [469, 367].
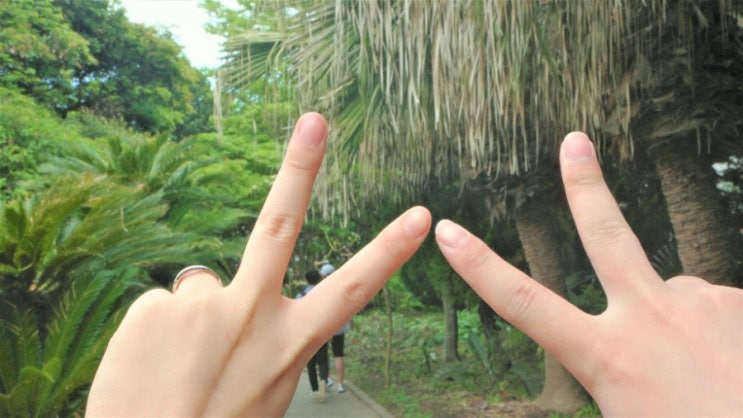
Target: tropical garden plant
[421, 94]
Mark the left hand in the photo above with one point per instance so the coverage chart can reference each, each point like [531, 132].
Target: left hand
[239, 350]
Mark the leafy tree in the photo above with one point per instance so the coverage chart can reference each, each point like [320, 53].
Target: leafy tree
[74, 221]
[39, 51]
[140, 74]
[200, 119]
[72, 55]
[28, 132]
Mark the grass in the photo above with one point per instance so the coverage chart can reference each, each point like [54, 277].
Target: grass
[421, 384]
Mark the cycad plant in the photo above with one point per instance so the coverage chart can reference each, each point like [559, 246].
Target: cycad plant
[45, 369]
[149, 165]
[73, 254]
[58, 230]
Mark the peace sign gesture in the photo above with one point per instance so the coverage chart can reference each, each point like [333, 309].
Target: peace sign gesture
[239, 350]
[671, 348]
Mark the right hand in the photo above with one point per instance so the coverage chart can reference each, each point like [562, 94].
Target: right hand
[671, 348]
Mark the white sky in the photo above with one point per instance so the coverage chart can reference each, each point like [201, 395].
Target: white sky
[185, 20]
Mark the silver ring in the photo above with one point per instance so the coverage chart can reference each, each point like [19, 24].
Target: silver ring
[192, 269]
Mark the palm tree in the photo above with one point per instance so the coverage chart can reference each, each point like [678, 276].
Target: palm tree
[421, 93]
[688, 111]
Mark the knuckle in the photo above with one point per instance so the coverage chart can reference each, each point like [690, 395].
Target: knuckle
[280, 227]
[147, 304]
[478, 258]
[392, 243]
[197, 304]
[522, 299]
[612, 361]
[303, 159]
[607, 232]
[473, 256]
[356, 294]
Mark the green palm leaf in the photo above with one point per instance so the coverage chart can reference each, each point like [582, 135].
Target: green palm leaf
[49, 379]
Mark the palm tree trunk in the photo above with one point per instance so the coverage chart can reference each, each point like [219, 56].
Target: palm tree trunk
[561, 392]
[696, 213]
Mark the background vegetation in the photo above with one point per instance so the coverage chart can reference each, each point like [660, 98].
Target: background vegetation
[116, 171]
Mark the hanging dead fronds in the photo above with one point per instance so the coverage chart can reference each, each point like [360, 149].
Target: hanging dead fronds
[422, 91]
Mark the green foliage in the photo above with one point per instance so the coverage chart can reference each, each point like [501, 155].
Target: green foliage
[509, 363]
[589, 411]
[92, 211]
[73, 55]
[107, 203]
[39, 50]
[74, 222]
[403, 300]
[229, 22]
[730, 183]
[28, 132]
[405, 404]
[585, 292]
[140, 74]
[509, 368]
[730, 186]
[45, 367]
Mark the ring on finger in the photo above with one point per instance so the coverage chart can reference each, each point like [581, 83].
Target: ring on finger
[191, 270]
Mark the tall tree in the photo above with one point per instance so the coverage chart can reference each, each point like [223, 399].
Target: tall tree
[425, 91]
[689, 100]
[140, 74]
[39, 51]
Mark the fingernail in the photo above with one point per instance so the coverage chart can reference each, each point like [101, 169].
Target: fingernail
[311, 129]
[416, 222]
[577, 147]
[450, 234]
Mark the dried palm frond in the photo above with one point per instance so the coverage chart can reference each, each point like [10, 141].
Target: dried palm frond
[424, 91]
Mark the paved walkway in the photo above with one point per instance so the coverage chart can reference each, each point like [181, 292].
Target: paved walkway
[352, 404]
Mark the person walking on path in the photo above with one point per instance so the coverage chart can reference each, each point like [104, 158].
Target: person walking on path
[318, 362]
[338, 340]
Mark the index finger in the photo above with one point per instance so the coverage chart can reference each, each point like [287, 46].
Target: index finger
[272, 240]
[615, 252]
[350, 288]
[543, 315]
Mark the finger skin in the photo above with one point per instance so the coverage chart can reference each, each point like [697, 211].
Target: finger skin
[350, 288]
[298, 327]
[614, 250]
[512, 294]
[272, 240]
[660, 349]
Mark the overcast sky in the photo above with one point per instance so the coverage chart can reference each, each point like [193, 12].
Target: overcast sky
[185, 20]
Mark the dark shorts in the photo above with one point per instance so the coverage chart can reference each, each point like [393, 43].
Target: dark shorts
[337, 343]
